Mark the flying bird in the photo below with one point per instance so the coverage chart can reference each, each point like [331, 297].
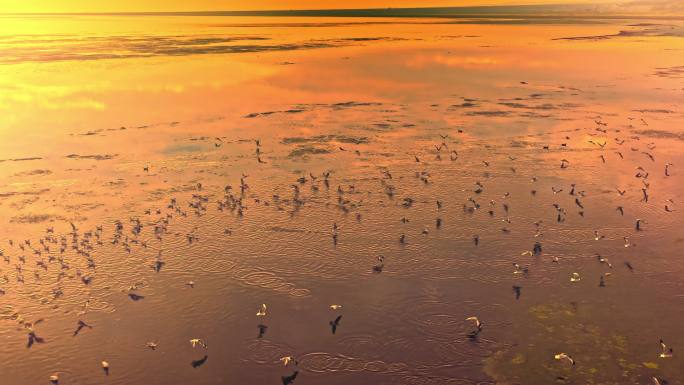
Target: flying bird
[564, 356]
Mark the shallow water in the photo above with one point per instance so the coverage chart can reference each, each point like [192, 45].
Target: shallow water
[108, 119]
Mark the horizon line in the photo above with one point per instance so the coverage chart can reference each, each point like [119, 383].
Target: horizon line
[555, 10]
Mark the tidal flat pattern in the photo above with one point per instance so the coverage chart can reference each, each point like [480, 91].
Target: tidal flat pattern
[238, 200]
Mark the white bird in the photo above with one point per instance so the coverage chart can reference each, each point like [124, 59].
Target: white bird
[151, 345]
[667, 352]
[564, 356]
[575, 277]
[476, 321]
[105, 367]
[262, 311]
[286, 360]
[336, 307]
[54, 378]
[197, 341]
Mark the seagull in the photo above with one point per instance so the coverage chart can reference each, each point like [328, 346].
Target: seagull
[476, 321]
[54, 378]
[621, 210]
[381, 264]
[336, 307]
[151, 345]
[197, 341]
[262, 311]
[602, 281]
[520, 270]
[287, 359]
[667, 168]
[666, 351]
[621, 192]
[597, 236]
[564, 356]
[575, 277]
[105, 367]
[604, 260]
[478, 325]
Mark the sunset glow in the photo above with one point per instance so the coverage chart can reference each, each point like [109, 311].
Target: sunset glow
[192, 194]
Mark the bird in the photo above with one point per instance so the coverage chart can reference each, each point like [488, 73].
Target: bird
[261, 312]
[287, 359]
[602, 281]
[336, 307]
[476, 322]
[54, 378]
[564, 356]
[105, 367]
[621, 192]
[478, 327]
[520, 270]
[380, 265]
[603, 260]
[575, 277]
[666, 351]
[196, 341]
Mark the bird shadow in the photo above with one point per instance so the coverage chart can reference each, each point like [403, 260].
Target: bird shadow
[287, 380]
[200, 362]
[335, 323]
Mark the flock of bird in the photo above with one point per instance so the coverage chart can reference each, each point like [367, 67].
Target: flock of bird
[73, 254]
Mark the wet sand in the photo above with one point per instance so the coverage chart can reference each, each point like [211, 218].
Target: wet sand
[153, 123]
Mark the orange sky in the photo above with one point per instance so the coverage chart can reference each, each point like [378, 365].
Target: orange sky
[184, 5]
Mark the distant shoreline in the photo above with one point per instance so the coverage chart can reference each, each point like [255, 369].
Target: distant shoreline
[587, 11]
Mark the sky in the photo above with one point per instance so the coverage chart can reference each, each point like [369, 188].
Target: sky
[20, 6]
[57, 6]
